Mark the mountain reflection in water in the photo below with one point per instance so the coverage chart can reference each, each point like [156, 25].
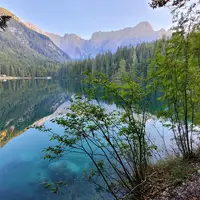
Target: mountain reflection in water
[22, 167]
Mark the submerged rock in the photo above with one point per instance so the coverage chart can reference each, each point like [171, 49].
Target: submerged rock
[56, 165]
[64, 165]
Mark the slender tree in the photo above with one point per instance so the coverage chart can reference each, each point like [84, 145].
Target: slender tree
[115, 142]
[175, 70]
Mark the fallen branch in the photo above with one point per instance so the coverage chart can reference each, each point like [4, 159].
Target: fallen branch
[138, 185]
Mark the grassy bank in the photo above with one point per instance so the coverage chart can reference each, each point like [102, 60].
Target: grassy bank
[170, 178]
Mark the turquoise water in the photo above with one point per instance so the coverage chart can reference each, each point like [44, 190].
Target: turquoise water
[23, 170]
[22, 167]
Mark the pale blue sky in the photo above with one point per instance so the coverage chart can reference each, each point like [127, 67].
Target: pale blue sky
[83, 17]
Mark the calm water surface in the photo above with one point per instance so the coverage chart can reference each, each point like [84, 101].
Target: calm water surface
[22, 167]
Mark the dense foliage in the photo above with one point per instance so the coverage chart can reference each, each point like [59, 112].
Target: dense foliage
[12, 64]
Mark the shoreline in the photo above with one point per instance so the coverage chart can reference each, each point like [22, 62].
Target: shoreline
[61, 110]
[23, 78]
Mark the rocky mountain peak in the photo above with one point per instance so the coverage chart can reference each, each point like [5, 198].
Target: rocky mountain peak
[72, 36]
[144, 26]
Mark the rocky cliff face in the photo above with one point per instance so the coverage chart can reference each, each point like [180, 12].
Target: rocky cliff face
[101, 42]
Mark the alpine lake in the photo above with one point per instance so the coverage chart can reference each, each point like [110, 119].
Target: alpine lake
[23, 169]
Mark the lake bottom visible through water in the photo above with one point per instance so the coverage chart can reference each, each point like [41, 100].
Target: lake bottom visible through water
[23, 170]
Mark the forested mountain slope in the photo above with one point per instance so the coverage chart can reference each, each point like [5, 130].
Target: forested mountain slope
[24, 52]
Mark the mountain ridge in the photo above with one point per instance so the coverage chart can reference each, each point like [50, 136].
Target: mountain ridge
[34, 27]
[102, 41]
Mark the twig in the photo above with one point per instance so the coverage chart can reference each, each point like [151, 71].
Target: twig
[138, 185]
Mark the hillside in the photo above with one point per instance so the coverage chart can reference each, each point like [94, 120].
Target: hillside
[22, 47]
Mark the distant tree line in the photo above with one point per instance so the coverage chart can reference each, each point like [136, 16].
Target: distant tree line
[133, 60]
